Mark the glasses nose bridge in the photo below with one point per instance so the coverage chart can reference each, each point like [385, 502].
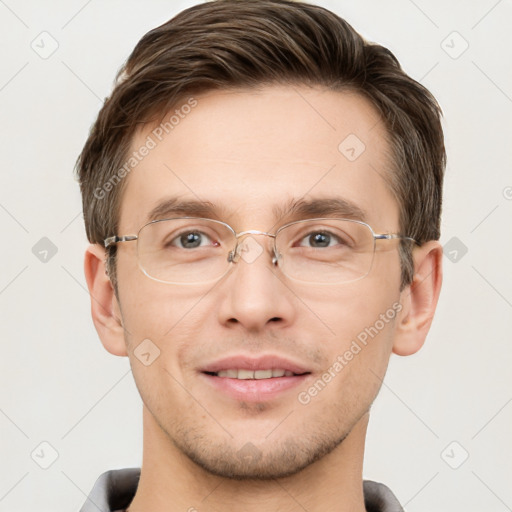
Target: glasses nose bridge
[253, 232]
[234, 255]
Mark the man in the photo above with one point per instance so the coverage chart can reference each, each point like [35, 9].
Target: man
[262, 194]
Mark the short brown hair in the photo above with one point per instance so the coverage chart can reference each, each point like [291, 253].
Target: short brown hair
[226, 44]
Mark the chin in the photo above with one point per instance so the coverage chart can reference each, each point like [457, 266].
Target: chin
[262, 462]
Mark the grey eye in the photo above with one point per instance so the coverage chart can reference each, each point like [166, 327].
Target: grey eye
[191, 240]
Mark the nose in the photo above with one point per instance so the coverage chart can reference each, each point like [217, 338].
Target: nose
[254, 294]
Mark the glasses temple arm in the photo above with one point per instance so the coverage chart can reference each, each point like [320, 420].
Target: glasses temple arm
[392, 236]
[111, 240]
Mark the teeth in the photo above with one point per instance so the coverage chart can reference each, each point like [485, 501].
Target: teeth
[232, 374]
[257, 374]
[263, 374]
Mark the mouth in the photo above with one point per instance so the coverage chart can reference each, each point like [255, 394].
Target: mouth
[254, 380]
[243, 374]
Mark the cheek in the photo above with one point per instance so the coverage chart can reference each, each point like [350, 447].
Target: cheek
[348, 309]
[155, 310]
[163, 324]
[357, 357]
[361, 319]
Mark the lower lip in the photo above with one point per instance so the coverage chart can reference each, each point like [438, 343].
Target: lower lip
[254, 390]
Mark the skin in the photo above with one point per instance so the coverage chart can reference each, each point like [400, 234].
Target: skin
[248, 151]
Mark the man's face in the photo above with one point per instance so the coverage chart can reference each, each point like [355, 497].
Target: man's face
[248, 153]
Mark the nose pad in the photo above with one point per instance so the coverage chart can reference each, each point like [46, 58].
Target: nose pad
[276, 257]
[249, 250]
[238, 252]
[233, 255]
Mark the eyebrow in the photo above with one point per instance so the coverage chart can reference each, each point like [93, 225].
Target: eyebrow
[174, 206]
[295, 209]
[320, 207]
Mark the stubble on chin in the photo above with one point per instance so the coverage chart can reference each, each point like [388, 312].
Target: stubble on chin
[251, 462]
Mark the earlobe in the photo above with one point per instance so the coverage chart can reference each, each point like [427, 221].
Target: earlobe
[419, 299]
[105, 310]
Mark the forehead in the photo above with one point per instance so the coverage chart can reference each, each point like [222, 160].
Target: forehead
[249, 154]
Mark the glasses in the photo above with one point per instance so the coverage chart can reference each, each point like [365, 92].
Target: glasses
[191, 250]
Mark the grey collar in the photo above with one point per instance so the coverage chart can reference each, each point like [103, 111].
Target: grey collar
[115, 489]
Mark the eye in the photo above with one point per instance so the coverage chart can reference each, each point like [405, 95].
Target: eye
[191, 240]
[321, 239]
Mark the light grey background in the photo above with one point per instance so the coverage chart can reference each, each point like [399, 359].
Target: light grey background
[61, 387]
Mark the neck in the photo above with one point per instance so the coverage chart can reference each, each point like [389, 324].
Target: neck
[171, 482]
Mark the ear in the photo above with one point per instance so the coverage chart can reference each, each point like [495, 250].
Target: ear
[419, 299]
[105, 309]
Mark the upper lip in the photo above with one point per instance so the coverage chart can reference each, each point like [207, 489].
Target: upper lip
[246, 362]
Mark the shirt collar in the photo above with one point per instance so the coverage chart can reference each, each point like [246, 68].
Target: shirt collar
[115, 489]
